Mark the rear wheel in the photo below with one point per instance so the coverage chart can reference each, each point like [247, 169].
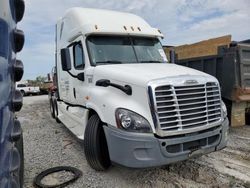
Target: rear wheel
[95, 145]
[56, 110]
[52, 108]
[22, 92]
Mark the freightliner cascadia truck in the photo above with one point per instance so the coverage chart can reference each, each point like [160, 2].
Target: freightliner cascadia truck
[117, 92]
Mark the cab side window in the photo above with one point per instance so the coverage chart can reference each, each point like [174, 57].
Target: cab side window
[79, 62]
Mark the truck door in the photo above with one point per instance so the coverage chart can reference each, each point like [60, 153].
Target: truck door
[79, 86]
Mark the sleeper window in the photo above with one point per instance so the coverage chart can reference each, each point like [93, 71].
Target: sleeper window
[78, 57]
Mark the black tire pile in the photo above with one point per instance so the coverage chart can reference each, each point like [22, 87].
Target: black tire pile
[11, 71]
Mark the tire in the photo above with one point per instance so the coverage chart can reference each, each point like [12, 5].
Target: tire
[56, 110]
[52, 108]
[23, 92]
[76, 174]
[228, 104]
[95, 145]
[19, 146]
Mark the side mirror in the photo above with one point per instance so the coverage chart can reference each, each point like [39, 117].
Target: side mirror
[65, 59]
[80, 76]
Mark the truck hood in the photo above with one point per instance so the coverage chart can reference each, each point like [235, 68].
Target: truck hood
[141, 74]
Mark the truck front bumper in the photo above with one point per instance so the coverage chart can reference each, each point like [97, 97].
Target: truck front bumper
[138, 150]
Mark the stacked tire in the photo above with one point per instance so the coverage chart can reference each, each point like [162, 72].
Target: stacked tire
[11, 71]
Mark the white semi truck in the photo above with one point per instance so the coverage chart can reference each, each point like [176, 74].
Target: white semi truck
[117, 92]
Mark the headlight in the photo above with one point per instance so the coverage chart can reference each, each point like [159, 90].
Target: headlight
[131, 121]
[224, 109]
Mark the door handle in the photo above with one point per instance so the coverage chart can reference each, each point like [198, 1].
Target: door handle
[74, 92]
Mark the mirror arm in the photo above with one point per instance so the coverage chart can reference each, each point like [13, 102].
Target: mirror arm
[74, 76]
[79, 76]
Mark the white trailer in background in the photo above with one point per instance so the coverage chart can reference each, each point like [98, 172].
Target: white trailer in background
[117, 92]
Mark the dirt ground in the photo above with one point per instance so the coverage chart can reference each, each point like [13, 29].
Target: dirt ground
[49, 144]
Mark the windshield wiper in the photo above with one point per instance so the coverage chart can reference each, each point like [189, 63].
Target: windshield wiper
[108, 62]
[151, 61]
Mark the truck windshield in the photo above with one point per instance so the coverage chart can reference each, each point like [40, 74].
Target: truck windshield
[124, 49]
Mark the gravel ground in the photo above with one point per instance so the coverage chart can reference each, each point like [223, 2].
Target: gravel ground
[49, 144]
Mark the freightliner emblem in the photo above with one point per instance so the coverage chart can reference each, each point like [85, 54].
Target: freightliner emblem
[191, 82]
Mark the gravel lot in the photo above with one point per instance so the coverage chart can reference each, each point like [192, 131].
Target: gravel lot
[49, 144]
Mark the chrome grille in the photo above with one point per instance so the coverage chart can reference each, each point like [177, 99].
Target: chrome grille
[183, 107]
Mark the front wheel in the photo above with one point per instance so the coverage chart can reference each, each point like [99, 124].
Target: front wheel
[95, 145]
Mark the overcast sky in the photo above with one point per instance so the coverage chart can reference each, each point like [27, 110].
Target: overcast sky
[181, 22]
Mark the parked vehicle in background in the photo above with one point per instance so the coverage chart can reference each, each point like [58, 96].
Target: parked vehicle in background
[44, 87]
[229, 62]
[53, 86]
[116, 91]
[44, 83]
[11, 71]
[26, 89]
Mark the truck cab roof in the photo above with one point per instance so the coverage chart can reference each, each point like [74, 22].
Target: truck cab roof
[85, 21]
